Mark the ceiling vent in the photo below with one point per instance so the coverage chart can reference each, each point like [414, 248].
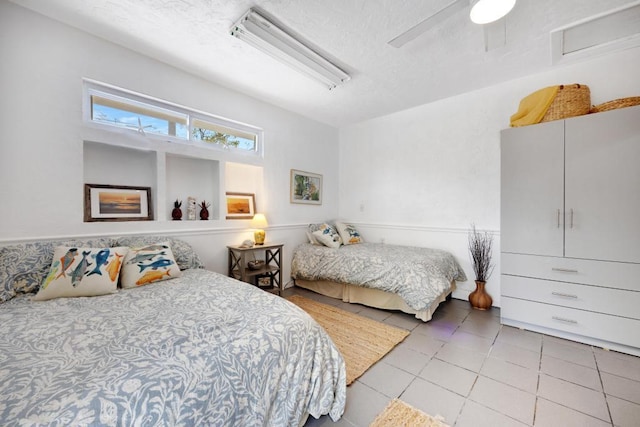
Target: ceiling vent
[609, 32]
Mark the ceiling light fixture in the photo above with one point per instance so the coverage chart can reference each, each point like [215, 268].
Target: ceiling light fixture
[256, 30]
[487, 11]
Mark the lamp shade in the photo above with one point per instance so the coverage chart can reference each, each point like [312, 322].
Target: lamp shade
[259, 221]
[487, 11]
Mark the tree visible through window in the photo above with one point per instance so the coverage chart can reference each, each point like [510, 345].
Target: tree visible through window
[112, 107]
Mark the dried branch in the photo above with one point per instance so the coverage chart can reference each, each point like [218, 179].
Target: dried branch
[480, 249]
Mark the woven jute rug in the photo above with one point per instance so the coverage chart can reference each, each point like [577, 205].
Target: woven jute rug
[401, 414]
[361, 341]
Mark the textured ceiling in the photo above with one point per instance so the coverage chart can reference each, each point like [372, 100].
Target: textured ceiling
[446, 60]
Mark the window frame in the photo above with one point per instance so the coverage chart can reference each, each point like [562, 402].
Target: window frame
[161, 107]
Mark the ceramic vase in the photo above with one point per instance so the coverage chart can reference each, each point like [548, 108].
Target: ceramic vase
[479, 298]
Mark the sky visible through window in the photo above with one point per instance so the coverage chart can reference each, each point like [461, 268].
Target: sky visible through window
[148, 124]
[127, 119]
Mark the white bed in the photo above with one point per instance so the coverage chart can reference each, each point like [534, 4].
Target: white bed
[410, 279]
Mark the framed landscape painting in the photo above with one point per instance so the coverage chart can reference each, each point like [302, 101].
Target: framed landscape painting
[117, 203]
[241, 205]
[306, 187]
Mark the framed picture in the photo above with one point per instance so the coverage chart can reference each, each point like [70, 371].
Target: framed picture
[241, 205]
[306, 187]
[117, 203]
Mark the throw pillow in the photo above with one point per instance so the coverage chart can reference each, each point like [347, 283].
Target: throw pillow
[328, 236]
[349, 234]
[82, 272]
[149, 264]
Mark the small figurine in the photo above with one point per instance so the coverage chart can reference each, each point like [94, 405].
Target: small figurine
[204, 211]
[191, 208]
[176, 213]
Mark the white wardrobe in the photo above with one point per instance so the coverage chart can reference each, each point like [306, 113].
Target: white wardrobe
[570, 228]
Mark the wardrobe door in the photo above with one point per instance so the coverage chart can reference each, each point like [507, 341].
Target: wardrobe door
[532, 194]
[603, 186]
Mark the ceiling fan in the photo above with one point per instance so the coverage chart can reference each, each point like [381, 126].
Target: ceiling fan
[482, 12]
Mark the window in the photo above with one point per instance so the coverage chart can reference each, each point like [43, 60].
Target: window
[115, 107]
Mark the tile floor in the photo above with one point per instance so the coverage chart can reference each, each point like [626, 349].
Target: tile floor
[468, 368]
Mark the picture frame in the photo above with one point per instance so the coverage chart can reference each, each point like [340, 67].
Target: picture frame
[305, 187]
[117, 203]
[240, 205]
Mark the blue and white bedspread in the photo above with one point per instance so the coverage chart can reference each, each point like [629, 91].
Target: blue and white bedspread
[418, 275]
[199, 350]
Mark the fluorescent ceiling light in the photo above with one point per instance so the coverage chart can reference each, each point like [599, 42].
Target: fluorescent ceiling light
[486, 11]
[264, 35]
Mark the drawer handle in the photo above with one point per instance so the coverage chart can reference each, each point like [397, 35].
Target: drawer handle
[564, 270]
[562, 319]
[560, 294]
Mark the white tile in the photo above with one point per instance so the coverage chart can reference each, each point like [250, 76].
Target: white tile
[363, 404]
[525, 339]
[451, 377]
[483, 328]
[325, 421]
[469, 340]
[516, 376]
[386, 379]
[433, 400]
[574, 396]
[504, 399]
[422, 344]
[569, 351]
[374, 313]
[621, 387]
[623, 365]
[550, 414]
[351, 308]
[440, 331]
[462, 357]
[475, 415]
[516, 355]
[403, 320]
[571, 372]
[407, 359]
[624, 413]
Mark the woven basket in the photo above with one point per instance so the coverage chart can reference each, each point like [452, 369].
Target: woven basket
[571, 100]
[616, 103]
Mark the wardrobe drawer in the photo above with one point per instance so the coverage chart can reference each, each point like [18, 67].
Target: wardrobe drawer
[605, 327]
[616, 275]
[583, 297]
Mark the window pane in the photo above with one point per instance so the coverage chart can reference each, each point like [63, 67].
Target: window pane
[138, 116]
[223, 136]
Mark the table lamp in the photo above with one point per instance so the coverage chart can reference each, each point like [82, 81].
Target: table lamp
[259, 223]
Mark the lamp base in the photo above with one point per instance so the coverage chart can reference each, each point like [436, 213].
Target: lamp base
[259, 236]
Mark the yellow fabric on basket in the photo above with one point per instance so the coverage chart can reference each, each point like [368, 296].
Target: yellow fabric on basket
[533, 107]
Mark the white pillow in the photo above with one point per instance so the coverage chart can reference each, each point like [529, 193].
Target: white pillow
[82, 272]
[349, 234]
[149, 264]
[329, 237]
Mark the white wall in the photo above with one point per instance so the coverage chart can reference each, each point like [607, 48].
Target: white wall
[423, 175]
[42, 133]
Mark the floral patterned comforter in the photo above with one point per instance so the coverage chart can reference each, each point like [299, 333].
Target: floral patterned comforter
[418, 275]
[202, 349]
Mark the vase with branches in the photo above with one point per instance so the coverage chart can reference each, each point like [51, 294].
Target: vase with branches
[480, 249]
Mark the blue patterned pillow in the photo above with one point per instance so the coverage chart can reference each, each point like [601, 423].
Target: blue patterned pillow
[184, 254]
[24, 266]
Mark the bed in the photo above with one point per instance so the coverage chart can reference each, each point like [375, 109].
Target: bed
[198, 349]
[411, 279]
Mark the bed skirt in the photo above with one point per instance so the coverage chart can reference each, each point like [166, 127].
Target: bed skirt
[371, 297]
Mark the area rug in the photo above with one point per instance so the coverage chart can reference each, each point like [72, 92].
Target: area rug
[401, 414]
[361, 341]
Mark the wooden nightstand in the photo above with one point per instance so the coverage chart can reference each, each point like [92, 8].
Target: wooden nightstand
[270, 253]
